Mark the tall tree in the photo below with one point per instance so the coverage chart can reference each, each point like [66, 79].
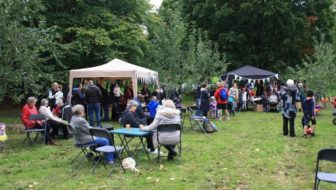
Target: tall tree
[181, 55]
[319, 69]
[26, 48]
[270, 34]
[93, 32]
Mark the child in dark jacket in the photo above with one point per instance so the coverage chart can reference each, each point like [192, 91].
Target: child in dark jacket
[308, 108]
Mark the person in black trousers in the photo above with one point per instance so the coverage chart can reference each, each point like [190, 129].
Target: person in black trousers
[289, 97]
[205, 96]
[105, 100]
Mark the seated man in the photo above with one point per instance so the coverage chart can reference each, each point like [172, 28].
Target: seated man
[167, 114]
[30, 109]
[130, 118]
[53, 121]
[82, 135]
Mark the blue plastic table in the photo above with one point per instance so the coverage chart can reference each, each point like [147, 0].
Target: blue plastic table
[132, 133]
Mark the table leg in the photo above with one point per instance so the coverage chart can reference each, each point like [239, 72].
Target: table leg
[144, 147]
[124, 144]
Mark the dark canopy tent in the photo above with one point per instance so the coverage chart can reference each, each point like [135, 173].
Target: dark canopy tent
[249, 72]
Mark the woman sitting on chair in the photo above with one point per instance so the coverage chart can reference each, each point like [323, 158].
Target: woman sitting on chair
[53, 121]
[30, 109]
[166, 114]
[130, 118]
[82, 135]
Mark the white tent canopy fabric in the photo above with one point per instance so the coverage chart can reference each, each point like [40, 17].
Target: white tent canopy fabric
[117, 69]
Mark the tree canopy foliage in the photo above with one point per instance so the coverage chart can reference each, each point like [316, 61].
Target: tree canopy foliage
[182, 54]
[319, 69]
[93, 32]
[269, 34]
[41, 40]
[27, 49]
[186, 41]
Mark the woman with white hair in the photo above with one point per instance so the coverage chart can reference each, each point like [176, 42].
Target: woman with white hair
[82, 135]
[30, 109]
[166, 114]
[130, 118]
[52, 120]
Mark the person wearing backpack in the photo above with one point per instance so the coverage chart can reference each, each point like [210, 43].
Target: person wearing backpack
[221, 95]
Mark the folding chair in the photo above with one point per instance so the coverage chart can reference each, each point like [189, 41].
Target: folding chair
[98, 132]
[327, 154]
[197, 120]
[83, 148]
[169, 128]
[66, 113]
[34, 117]
[183, 112]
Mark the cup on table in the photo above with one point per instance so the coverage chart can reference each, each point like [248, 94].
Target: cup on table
[128, 126]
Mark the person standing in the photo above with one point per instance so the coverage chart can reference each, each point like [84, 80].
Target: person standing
[205, 96]
[260, 88]
[244, 100]
[158, 94]
[146, 92]
[117, 93]
[308, 108]
[128, 93]
[116, 102]
[52, 95]
[289, 97]
[104, 102]
[198, 100]
[221, 95]
[77, 95]
[93, 98]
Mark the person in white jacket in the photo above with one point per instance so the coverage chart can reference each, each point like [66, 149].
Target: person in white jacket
[52, 120]
[117, 92]
[166, 114]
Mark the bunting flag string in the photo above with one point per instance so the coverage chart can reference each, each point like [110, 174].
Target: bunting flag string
[249, 80]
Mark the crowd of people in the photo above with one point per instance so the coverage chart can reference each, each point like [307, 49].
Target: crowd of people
[148, 110]
[145, 111]
[222, 102]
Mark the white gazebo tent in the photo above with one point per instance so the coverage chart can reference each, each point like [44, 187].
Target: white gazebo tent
[116, 69]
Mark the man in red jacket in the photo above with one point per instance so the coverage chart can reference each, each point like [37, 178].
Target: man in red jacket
[221, 103]
[30, 109]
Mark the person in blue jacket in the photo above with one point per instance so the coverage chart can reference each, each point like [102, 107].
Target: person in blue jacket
[151, 107]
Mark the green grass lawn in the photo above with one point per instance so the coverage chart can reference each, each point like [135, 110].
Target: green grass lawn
[248, 152]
